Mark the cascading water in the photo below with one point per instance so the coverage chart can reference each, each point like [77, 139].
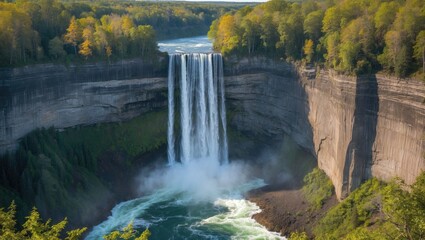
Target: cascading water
[199, 195]
[199, 77]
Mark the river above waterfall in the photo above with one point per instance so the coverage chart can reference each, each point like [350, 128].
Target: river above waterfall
[199, 44]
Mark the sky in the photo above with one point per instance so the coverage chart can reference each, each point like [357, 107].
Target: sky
[227, 0]
[239, 1]
[247, 1]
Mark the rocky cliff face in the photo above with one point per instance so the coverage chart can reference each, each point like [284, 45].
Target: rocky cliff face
[356, 127]
[63, 96]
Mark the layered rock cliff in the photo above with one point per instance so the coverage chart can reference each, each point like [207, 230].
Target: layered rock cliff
[63, 96]
[357, 127]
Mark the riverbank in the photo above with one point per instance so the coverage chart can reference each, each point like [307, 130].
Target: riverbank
[286, 210]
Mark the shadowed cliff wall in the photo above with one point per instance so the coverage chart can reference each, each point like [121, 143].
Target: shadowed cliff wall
[62, 96]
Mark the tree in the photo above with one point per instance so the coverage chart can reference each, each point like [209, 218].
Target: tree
[419, 49]
[313, 25]
[332, 48]
[33, 228]
[395, 56]
[404, 208]
[331, 20]
[87, 45]
[250, 35]
[227, 38]
[56, 48]
[143, 37]
[269, 35]
[126, 25]
[291, 33]
[72, 35]
[308, 50]
[298, 236]
[101, 41]
[127, 233]
[385, 16]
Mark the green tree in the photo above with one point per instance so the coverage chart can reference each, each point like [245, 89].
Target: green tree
[56, 48]
[298, 236]
[419, 49]
[332, 20]
[250, 35]
[144, 39]
[385, 17]
[313, 25]
[395, 56]
[291, 33]
[33, 228]
[128, 233]
[332, 47]
[405, 210]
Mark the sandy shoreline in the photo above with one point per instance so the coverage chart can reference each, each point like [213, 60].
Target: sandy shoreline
[285, 210]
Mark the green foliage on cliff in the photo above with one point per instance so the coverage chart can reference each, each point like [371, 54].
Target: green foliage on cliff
[317, 188]
[378, 211]
[59, 172]
[298, 236]
[356, 210]
[34, 227]
[139, 135]
[351, 36]
[55, 30]
[127, 233]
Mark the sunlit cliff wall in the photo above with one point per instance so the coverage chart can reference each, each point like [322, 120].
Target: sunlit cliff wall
[357, 127]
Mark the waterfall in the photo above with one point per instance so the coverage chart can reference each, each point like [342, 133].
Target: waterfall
[170, 136]
[202, 137]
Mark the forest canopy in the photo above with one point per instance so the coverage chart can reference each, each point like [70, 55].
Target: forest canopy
[52, 30]
[351, 36]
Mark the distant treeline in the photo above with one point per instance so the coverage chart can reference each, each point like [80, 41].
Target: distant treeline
[351, 36]
[49, 30]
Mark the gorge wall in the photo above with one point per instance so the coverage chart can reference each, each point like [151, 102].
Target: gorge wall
[63, 96]
[356, 127]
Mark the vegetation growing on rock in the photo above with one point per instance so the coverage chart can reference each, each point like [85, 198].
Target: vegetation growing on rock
[317, 188]
[378, 210]
[61, 172]
[35, 228]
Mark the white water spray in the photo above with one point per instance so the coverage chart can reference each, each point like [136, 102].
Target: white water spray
[202, 108]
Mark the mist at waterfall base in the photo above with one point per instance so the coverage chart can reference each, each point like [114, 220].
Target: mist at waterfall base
[199, 194]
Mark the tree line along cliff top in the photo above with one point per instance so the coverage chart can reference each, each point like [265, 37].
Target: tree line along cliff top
[350, 36]
[54, 30]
